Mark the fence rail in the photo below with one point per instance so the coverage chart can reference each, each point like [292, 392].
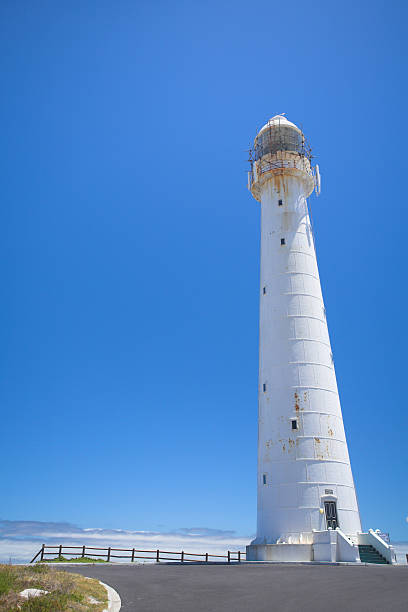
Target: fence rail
[154, 555]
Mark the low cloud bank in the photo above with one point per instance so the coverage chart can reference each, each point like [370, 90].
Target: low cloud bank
[21, 540]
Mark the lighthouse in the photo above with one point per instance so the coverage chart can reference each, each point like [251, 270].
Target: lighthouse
[307, 505]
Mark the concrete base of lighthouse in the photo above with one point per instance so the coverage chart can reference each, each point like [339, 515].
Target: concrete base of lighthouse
[279, 552]
[327, 546]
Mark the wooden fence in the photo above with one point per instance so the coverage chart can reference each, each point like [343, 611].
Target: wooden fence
[133, 553]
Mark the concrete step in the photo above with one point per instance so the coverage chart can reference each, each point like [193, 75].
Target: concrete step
[368, 554]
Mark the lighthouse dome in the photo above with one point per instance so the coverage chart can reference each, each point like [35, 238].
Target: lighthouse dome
[278, 121]
[279, 134]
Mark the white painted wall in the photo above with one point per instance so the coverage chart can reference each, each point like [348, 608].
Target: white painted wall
[346, 549]
[295, 365]
[281, 553]
[333, 546]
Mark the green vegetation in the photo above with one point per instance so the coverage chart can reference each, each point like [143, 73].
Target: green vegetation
[66, 592]
[7, 579]
[75, 560]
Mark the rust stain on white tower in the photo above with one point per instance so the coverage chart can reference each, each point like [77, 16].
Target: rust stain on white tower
[307, 506]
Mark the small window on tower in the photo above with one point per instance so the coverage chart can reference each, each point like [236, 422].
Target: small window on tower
[264, 478]
[282, 241]
[264, 290]
[264, 387]
[280, 202]
[294, 424]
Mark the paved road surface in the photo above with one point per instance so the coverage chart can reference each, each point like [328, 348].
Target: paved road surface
[255, 588]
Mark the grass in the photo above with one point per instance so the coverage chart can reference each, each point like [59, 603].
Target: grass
[67, 592]
[75, 560]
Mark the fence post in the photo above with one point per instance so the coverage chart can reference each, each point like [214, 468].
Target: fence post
[42, 552]
[60, 551]
[229, 557]
[133, 555]
[206, 557]
[109, 553]
[239, 556]
[157, 555]
[182, 556]
[83, 551]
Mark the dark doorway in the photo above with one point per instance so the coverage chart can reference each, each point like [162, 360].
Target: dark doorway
[330, 508]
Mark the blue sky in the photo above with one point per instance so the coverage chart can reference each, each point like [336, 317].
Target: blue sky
[130, 251]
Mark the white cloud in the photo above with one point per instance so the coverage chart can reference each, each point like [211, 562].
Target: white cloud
[21, 540]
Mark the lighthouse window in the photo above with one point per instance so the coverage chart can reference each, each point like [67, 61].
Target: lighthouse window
[264, 387]
[264, 478]
[264, 290]
[280, 202]
[285, 138]
[294, 424]
[282, 241]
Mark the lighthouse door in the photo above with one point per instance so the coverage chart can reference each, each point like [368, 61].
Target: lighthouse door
[330, 508]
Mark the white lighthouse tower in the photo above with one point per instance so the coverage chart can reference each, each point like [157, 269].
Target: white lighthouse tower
[307, 506]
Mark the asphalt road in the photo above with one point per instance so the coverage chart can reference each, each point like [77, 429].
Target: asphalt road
[255, 588]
